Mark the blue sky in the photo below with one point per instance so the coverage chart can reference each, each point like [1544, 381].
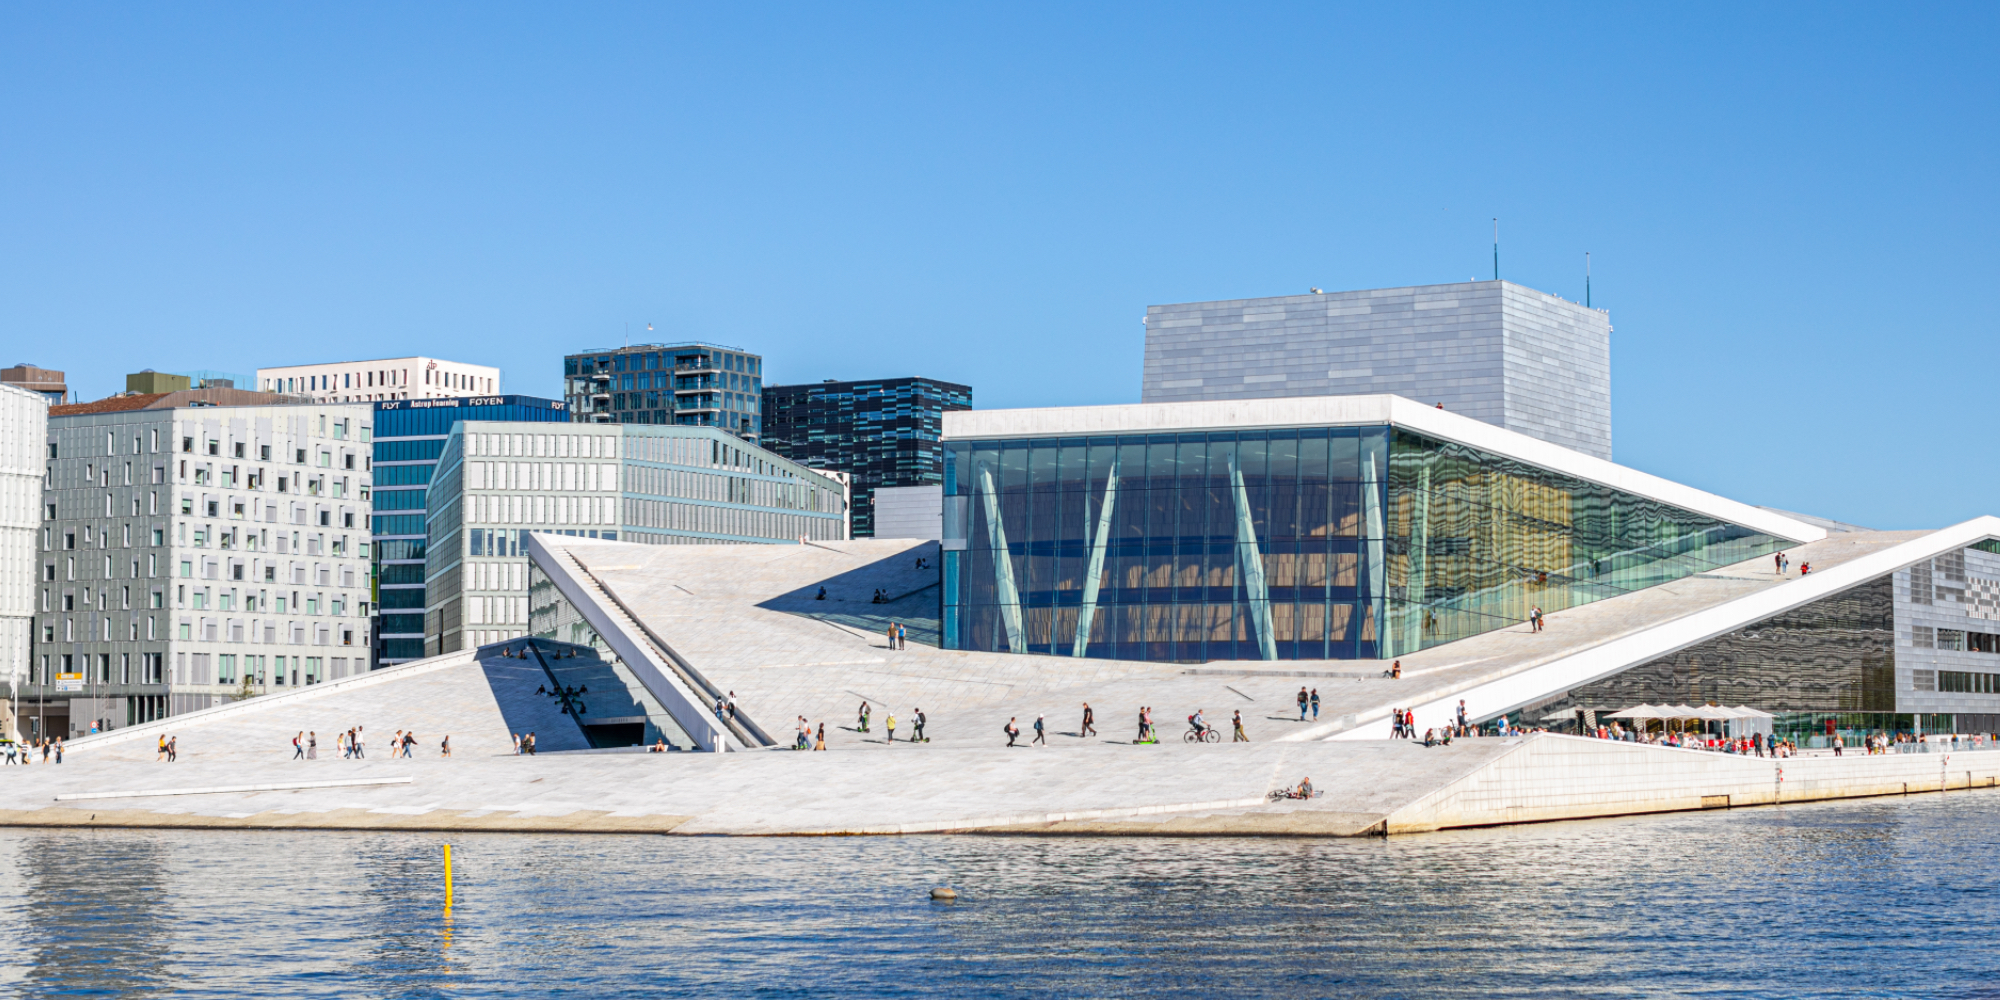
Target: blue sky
[1790, 209]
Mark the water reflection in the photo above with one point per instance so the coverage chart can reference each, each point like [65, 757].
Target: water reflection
[1882, 898]
[118, 887]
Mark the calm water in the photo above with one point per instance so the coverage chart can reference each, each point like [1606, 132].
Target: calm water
[1881, 898]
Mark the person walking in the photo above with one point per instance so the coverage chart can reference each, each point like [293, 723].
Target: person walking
[312, 746]
[902, 636]
[1089, 718]
[396, 744]
[59, 748]
[892, 625]
[360, 745]
[1041, 736]
[820, 743]
[1303, 699]
[173, 749]
[1315, 704]
[531, 744]
[298, 746]
[1240, 736]
[445, 747]
[1013, 731]
[917, 720]
[517, 739]
[889, 723]
[862, 725]
[1778, 562]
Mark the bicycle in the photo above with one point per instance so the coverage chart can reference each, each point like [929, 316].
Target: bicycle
[1205, 734]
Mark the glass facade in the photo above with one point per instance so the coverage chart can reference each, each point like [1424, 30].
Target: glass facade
[690, 385]
[1297, 543]
[884, 432]
[409, 436]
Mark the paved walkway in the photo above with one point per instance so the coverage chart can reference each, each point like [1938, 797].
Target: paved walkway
[732, 612]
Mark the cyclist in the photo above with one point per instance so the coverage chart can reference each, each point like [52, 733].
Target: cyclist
[1200, 725]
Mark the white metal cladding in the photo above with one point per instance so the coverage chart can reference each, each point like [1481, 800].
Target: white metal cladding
[1352, 411]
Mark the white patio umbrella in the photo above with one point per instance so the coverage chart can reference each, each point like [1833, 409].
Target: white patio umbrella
[1640, 712]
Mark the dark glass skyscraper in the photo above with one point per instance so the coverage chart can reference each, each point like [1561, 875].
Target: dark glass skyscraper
[884, 432]
[409, 435]
[691, 385]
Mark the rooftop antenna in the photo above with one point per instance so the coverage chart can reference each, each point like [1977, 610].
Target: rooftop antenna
[1496, 249]
[1586, 279]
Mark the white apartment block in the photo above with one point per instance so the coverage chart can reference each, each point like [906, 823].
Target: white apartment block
[188, 555]
[24, 419]
[658, 484]
[386, 378]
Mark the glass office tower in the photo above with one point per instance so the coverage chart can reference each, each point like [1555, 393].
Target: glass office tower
[883, 432]
[409, 435]
[1286, 543]
[689, 385]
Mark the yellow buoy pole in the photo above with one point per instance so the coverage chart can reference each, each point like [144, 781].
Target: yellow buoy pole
[447, 876]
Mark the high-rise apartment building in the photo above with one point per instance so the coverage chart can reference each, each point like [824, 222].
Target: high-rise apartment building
[24, 416]
[384, 378]
[193, 547]
[1491, 350]
[409, 436]
[652, 484]
[685, 385]
[883, 432]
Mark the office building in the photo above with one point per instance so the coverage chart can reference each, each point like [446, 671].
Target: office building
[194, 547]
[381, 379]
[43, 382]
[646, 483]
[1492, 350]
[685, 385]
[409, 436]
[24, 416]
[883, 432]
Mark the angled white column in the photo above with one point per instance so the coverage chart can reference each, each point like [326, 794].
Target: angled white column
[1371, 527]
[1417, 575]
[1007, 594]
[1250, 564]
[1096, 569]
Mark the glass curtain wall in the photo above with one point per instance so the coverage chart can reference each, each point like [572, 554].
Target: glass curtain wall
[1476, 541]
[1170, 547]
[1313, 543]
